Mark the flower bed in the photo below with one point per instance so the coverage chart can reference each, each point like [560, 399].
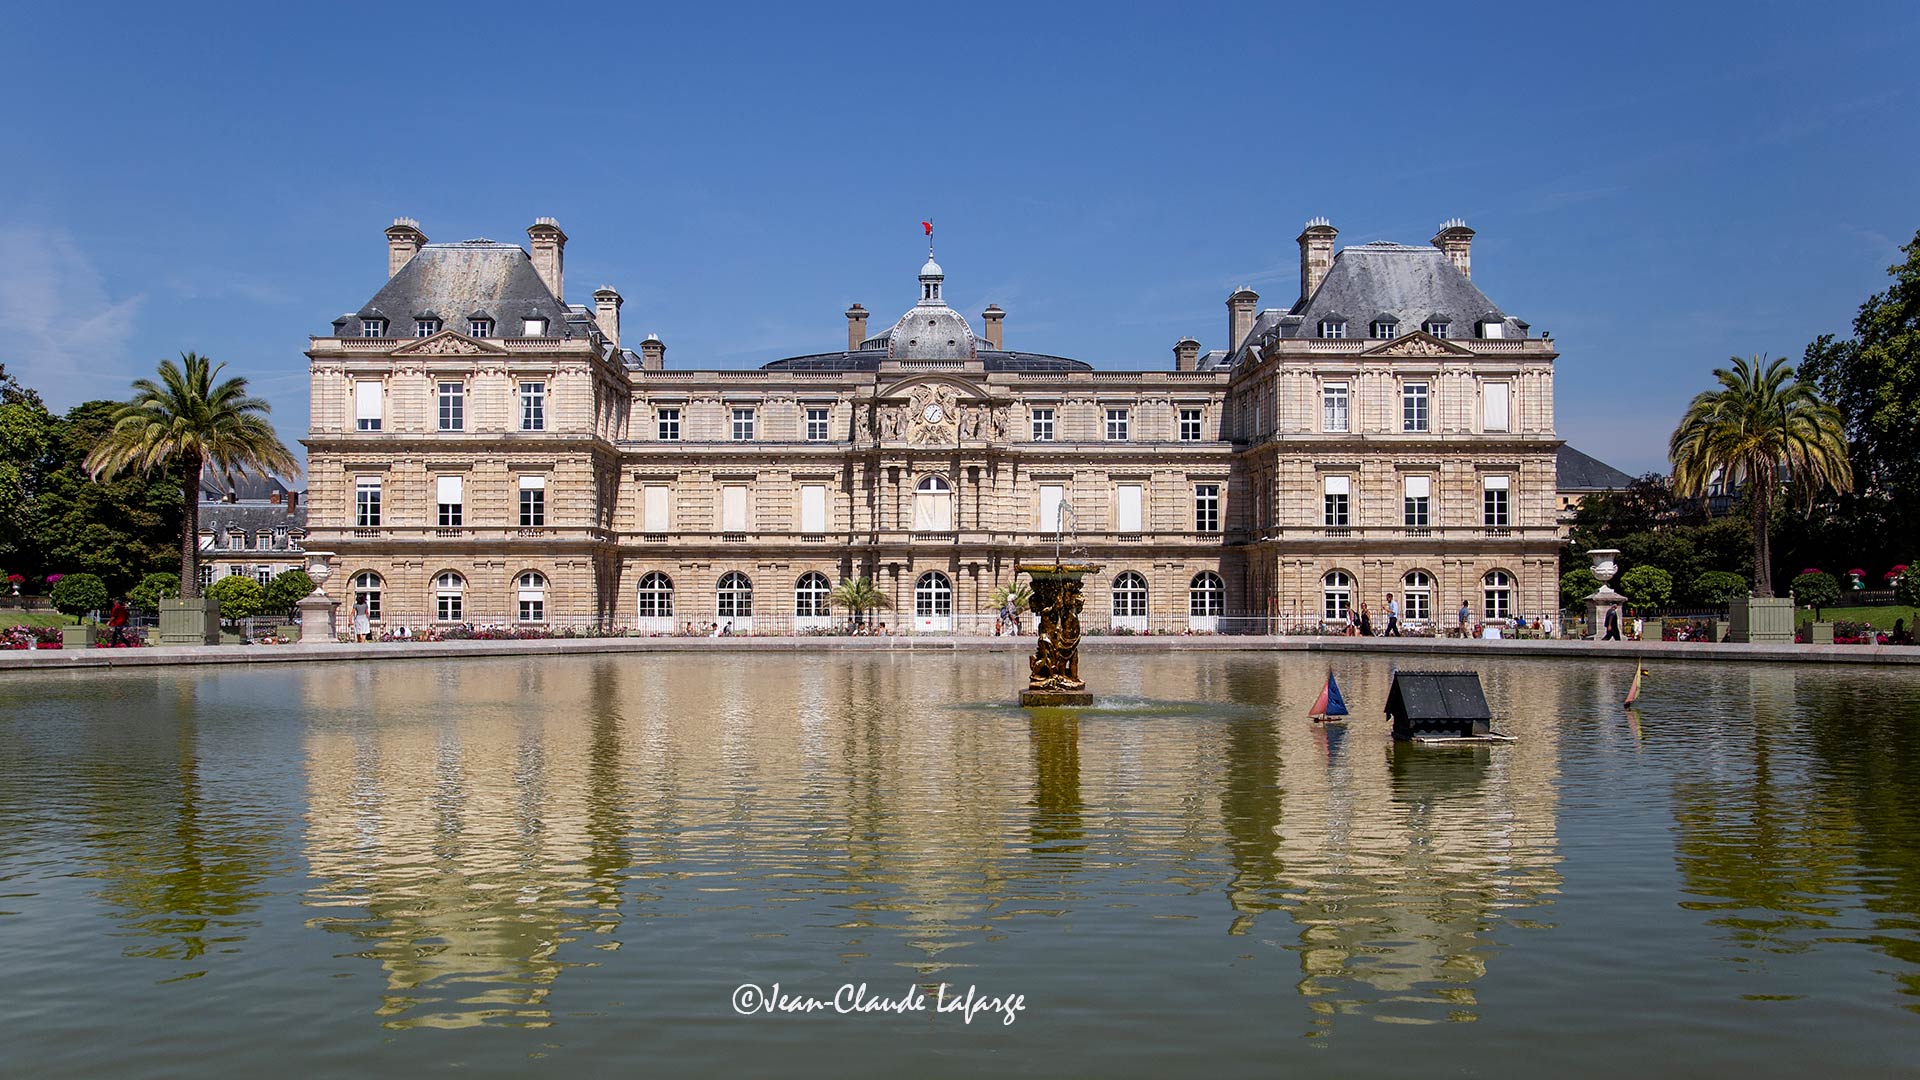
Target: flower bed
[30, 637]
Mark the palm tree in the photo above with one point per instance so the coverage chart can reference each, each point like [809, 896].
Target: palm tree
[189, 419]
[1760, 428]
[1014, 592]
[859, 596]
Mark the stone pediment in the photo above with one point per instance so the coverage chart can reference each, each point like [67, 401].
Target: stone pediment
[448, 343]
[958, 387]
[1417, 344]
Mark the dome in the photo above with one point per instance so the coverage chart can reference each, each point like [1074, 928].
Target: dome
[932, 269]
[932, 332]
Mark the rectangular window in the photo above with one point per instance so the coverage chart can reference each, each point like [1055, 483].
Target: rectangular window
[1043, 425]
[669, 424]
[533, 502]
[453, 406]
[1330, 328]
[366, 405]
[1127, 510]
[1189, 425]
[1494, 505]
[817, 424]
[480, 328]
[533, 328]
[447, 494]
[656, 509]
[1413, 407]
[1333, 407]
[533, 406]
[1436, 327]
[1386, 331]
[1494, 395]
[373, 328]
[1051, 495]
[813, 508]
[1334, 510]
[263, 574]
[743, 425]
[1116, 425]
[1206, 507]
[733, 508]
[366, 502]
[425, 327]
[1418, 498]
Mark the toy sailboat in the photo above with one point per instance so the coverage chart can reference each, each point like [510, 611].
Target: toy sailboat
[1633, 692]
[1329, 707]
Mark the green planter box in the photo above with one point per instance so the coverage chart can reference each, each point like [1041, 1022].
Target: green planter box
[189, 622]
[1761, 620]
[77, 637]
[1821, 633]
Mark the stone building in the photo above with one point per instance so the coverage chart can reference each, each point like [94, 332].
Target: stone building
[483, 451]
[251, 525]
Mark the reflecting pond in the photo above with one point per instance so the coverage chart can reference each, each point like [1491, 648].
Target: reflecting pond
[571, 863]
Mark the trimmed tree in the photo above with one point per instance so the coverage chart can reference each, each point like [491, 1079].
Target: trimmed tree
[1718, 587]
[152, 589]
[288, 589]
[1759, 424]
[1816, 589]
[190, 419]
[1576, 585]
[77, 594]
[1647, 587]
[240, 596]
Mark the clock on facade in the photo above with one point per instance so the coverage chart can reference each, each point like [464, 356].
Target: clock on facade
[934, 413]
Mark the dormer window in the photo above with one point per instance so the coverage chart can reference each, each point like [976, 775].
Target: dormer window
[1384, 329]
[534, 328]
[425, 327]
[480, 328]
[1491, 329]
[1333, 328]
[1436, 327]
[370, 328]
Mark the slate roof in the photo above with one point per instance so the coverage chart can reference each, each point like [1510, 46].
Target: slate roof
[870, 360]
[1583, 472]
[454, 282]
[245, 487]
[1378, 281]
[250, 517]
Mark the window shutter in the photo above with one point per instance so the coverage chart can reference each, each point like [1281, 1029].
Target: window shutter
[1128, 517]
[733, 509]
[449, 490]
[1339, 485]
[656, 509]
[1496, 483]
[1496, 399]
[1050, 497]
[813, 509]
[366, 400]
[1419, 487]
[533, 483]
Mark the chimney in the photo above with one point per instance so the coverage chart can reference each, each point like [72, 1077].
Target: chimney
[606, 312]
[1186, 355]
[549, 254]
[653, 353]
[404, 241]
[856, 327]
[1456, 240]
[1316, 254]
[1240, 316]
[994, 318]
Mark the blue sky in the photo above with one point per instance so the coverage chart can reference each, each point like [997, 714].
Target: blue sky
[1659, 187]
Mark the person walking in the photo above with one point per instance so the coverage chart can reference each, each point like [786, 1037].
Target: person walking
[1366, 621]
[1466, 617]
[1613, 625]
[362, 622]
[1393, 617]
[117, 624]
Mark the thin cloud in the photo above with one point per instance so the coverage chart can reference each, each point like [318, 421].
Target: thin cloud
[67, 333]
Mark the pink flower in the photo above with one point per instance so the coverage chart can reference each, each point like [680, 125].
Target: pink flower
[54, 579]
[1856, 573]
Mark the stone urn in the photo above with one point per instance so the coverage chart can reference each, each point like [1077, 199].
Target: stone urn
[1604, 599]
[319, 612]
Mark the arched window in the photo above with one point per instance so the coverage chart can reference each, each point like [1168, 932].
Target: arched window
[1129, 596]
[366, 590]
[656, 596]
[734, 598]
[1496, 595]
[1207, 595]
[1336, 595]
[449, 596]
[933, 505]
[533, 596]
[933, 596]
[810, 595]
[1417, 590]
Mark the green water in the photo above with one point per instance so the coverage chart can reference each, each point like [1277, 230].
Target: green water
[566, 866]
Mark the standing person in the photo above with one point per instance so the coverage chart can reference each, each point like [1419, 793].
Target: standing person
[1613, 625]
[1366, 621]
[117, 623]
[1393, 617]
[1546, 625]
[1466, 617]
[361, 622]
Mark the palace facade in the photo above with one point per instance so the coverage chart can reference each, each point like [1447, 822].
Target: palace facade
[483, 451]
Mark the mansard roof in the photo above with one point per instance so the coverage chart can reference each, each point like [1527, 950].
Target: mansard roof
[245, 486]
[478, 276]
[1583, 472]
[871, 359]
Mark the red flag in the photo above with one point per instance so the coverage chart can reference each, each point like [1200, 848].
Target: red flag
[927, 225]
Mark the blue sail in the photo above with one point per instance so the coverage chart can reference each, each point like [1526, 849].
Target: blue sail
[1336, 705]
